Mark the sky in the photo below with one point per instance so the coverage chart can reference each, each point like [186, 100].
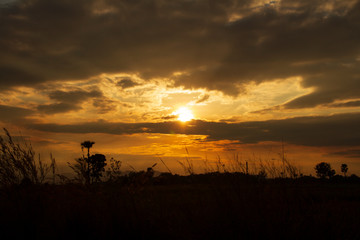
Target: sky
[254, 78]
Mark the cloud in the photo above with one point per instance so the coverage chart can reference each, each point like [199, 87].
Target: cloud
[67, 101]
[202, 98]
[11, 114]
[345, 104]
[217, 45]
[74, 97]
[336, 130]
[58, 108]
[351, 153]
[104, 105]
[126, 83]
[169, 117]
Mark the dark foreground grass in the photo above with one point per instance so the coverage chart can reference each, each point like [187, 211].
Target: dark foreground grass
[215, 207]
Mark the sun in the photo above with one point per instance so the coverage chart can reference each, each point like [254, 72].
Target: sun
[184, 114]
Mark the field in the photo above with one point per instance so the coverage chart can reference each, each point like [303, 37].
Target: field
[111, 204]
[215, 206]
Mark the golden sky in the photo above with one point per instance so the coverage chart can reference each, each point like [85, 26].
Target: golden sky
[197, 79]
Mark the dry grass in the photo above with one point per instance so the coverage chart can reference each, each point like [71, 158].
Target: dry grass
[233, 200]
[187, 164]
[223, 206]
[18, 164]
[280, 167]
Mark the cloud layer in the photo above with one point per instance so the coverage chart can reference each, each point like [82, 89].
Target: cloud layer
[217, 45]
[337, 130]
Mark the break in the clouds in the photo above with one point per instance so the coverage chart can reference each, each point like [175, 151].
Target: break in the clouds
[215, 45]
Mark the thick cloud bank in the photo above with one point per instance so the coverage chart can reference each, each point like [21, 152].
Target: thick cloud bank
[210, 44]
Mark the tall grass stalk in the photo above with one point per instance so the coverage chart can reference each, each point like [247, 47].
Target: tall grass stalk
[18, 164]
[187, 164]
[165, 165]
[280, 167]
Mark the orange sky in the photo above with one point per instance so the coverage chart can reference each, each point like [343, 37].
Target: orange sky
[252, 75]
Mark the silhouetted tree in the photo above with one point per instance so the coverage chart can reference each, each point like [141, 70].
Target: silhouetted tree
[97, 165]
[324, 170]
[344, 169]
[88, 145]
[90, 169]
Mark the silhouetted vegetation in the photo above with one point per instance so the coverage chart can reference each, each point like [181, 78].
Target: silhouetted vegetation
[324, 170]
[88, 145]
[218, 204]
[18, 163]
[344, 169]
[97, 163]
[89, 169]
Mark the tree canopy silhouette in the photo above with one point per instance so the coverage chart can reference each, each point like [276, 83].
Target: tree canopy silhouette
[97, 165]
[89, 169]
[344, 169]
[324, 170]
[88, 145]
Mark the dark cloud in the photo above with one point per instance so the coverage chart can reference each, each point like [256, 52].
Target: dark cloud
[169, 117]
[351, 153]
[220, 44]
[336, 130]
[68, 101]
[104, 105]
[58, 108]
[202, 98]
[10, 76]
[14, 114]
[6, 3]
[126, 83]
[74, 97]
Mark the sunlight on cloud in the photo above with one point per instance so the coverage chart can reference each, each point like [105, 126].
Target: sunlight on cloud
[184, 114]
[126, 97]
[324, 9]
[100, 7]
[255, 97]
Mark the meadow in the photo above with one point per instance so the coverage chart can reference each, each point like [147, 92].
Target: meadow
[140, 205]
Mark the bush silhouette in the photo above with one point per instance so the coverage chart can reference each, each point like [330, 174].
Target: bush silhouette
[324, 170]
[344, 169]
[96, 165]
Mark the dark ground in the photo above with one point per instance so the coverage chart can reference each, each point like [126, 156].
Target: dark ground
[212, 206]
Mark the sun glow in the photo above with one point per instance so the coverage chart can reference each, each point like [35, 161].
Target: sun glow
[184, 114]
